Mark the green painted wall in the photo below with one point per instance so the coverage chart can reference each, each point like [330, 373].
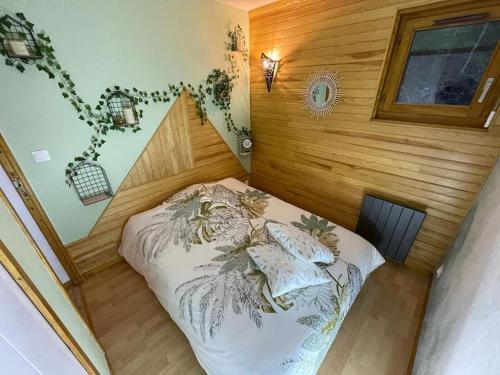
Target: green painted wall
[22, 249]
[146, 44]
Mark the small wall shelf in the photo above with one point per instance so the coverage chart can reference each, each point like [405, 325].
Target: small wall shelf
[91, 183]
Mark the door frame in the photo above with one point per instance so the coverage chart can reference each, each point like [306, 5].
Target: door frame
[16, 175]
[11, 265]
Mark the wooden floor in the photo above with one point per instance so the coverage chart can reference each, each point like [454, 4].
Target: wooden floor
[139, 337]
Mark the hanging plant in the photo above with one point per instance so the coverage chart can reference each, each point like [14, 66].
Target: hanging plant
[220, 84]
[101, 117]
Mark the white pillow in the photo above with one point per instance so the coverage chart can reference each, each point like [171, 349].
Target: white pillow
[300, 244]
[285, 272]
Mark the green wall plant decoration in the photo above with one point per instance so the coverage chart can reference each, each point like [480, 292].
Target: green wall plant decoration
[218, 84]
[236, 44]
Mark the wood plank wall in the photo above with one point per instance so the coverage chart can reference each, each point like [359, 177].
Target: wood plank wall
[182, 152]
[325, 166]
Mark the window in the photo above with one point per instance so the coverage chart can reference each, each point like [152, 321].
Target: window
[443, 66]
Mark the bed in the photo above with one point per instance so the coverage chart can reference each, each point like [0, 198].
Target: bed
[192, 252]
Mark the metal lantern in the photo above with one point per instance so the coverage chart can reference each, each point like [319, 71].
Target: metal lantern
[18, 42]
[122, 109]
[91, 183]
[237, 40]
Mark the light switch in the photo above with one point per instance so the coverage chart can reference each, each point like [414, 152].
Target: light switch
[41, 156]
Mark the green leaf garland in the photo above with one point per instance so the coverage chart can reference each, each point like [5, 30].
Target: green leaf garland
[218, 84]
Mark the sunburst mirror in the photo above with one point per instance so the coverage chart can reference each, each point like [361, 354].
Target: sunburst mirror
[322, 92]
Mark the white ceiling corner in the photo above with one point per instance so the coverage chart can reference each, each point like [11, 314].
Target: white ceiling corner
[246, 4]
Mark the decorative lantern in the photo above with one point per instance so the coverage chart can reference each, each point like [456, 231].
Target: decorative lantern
[270, 69]
[238, 40]
[122, 109]
[91, 183]
[18, 42]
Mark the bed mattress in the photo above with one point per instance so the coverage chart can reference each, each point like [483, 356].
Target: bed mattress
[192, 252]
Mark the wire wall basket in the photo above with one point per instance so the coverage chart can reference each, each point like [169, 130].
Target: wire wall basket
[91, 183]
[19, 42]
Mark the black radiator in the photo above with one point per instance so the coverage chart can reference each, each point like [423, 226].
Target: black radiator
[390, 227]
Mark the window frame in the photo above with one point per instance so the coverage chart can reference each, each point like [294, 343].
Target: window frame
[407, 23]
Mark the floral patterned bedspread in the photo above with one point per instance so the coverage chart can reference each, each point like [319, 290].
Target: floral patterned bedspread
[192, 252]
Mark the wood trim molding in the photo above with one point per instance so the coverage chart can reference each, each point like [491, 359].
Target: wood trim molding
[31, 291]
[13, 170]
[420, 326]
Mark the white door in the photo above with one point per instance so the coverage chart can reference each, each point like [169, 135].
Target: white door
[31, 226]
[28, 344]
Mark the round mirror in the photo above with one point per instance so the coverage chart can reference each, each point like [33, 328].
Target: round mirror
[321, 93]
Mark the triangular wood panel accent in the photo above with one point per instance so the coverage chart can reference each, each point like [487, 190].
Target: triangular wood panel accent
[168, 152]
[182, 152]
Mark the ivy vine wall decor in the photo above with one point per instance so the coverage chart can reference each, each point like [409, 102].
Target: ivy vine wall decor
[237, 45]
[119, 108]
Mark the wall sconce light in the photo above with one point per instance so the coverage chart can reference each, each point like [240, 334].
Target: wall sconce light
[270, 69]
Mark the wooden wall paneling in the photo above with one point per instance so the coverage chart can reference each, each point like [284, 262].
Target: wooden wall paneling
[326, 165]
[182, 152]
[167, 153]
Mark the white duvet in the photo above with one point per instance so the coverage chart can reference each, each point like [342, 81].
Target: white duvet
[192, 252]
